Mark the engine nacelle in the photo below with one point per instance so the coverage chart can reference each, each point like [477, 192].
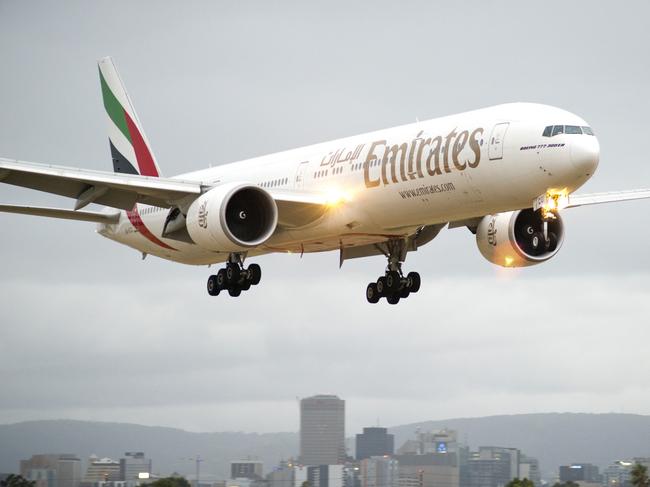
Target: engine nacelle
[232, 217]
[517, 238]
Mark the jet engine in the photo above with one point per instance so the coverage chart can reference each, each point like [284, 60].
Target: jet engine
[519, 238]
[232, 217]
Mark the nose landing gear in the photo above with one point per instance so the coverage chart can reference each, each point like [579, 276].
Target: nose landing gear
[234, 278]
[393, 285]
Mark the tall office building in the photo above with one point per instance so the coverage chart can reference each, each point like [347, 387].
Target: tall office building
[374, 442]
[580, 472]
[246, 469]
[379, 472]
[101, 470]
[133, 465]
[322, 430]
[325, 476]
[58, 470]
[493, 466]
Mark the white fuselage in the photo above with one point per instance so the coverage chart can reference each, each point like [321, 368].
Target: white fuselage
[386, 184]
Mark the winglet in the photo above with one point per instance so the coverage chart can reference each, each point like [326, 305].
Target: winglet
[130, 149]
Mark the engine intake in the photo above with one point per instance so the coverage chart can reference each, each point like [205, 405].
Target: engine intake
[517, 238]
[231, 217]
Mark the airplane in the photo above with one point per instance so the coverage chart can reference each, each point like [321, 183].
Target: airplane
[504, 172]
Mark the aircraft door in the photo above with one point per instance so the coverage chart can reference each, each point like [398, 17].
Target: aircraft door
[301, 175]
[495, 147]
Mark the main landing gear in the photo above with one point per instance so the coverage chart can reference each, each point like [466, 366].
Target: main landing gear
[234, 278]
[393, 285]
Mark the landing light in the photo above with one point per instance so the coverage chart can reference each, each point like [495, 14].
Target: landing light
[551, 202]
[336, 197]
[508, 261]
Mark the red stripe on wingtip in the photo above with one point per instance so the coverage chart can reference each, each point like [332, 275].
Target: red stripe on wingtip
[142, 154]
[136, 221]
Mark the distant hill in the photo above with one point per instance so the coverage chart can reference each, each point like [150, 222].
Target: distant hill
[554, 439]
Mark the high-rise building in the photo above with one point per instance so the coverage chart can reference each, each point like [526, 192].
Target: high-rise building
[322, 430]
[493, 466]
[56, 470]
[325, 476]
[618, 474]
[428, 470]
[440, 441]
[432, 459]
[247, 469]
[379, 472]
[374, 442]
[580, 472]
[529, 469]
[133, 465]
[101, 470]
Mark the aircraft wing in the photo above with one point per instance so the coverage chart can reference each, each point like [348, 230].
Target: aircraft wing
[105, 188]
[124, 190]
[576, 200]
[85, 216]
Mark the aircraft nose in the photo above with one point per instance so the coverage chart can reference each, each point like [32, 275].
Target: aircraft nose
[585, 154]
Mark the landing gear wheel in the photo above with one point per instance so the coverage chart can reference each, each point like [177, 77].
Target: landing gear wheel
[233, 277]
[222, 281]
[414, 281]
[404, 292]
[537, 243]
[372, 295]
[551, 244]
[255, 274]
[381, 286]
[392, 280]
[392, 298]
[213, 287]
[231, 272]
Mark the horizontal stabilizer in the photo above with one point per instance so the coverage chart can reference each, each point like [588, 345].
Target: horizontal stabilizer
[84, 216]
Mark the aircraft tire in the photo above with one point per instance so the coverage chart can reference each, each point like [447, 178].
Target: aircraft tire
[222, 281]
[392, 298]
[231, 273]
[392, 281]
[415, 281]
[372, 295]
[213, 288]
[255, 273]
[234, 291]
[381, 286]
[404, 292]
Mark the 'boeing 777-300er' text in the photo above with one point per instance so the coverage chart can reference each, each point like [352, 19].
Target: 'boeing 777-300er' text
[504, 172]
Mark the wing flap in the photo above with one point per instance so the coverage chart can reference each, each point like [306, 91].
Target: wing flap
[86, 216]
[117, 190]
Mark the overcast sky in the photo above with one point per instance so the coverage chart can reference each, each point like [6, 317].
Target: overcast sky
[89, 331]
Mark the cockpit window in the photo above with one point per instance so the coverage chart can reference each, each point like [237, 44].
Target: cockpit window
[551, 130]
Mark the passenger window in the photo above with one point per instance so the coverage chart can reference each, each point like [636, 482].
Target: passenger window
[587, 130]
[558, 129]
[547, 131]
[572, 129]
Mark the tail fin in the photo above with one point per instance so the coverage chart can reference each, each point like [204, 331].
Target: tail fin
[130, 148]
